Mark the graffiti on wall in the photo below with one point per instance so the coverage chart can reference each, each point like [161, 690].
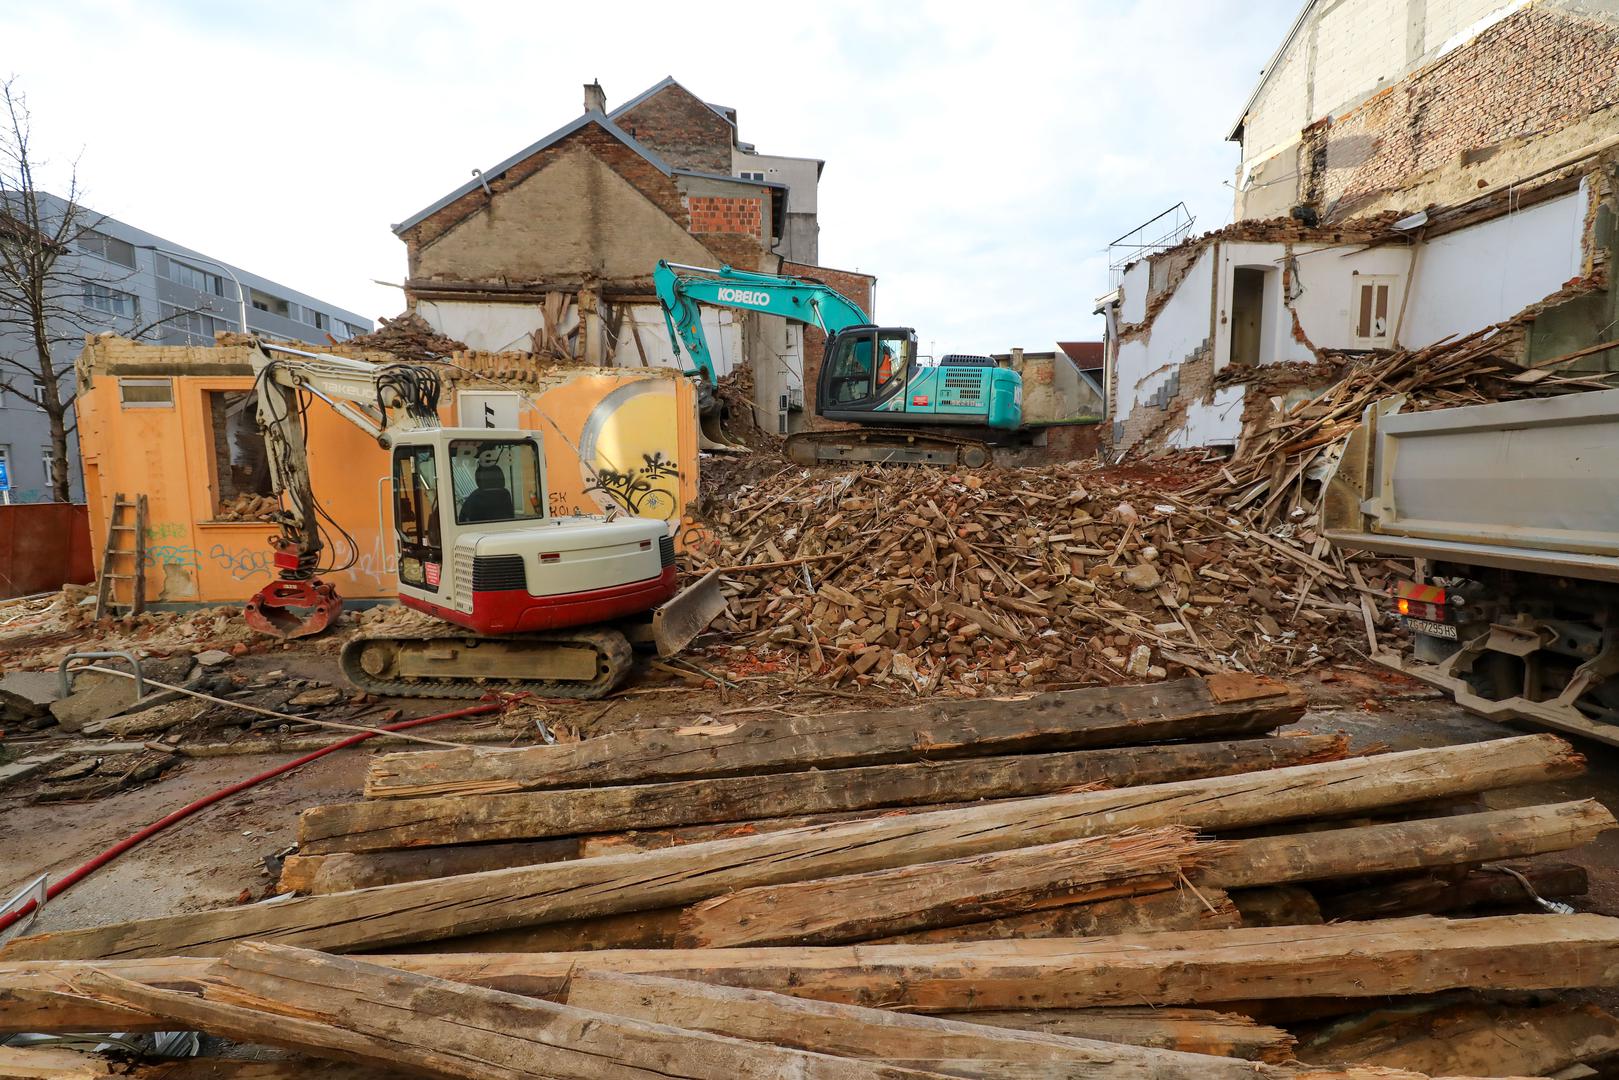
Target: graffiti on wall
[631, 441]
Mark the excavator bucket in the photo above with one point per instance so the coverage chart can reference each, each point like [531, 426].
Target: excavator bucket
[293, 609]
[711, 433]
[687, 614]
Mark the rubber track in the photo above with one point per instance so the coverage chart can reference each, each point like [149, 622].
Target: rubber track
[906, 436]
[609, 645]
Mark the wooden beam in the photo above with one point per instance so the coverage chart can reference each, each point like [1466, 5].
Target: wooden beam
[1174, 908]
[859, 907]
[1068, 720]
[852, 1031]
[1195, 1031]
[555, 892]
[386, 824]
[365, 1013]
[1261, 964]
[1475, 1037]
[342, 871]
[1408, 845]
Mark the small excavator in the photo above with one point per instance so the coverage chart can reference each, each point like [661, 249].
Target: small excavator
[954, 412]
[510, 597]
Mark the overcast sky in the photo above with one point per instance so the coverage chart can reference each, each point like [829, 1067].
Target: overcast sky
[979, 156]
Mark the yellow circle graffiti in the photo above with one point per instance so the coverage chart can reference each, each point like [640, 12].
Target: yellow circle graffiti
[631, 440]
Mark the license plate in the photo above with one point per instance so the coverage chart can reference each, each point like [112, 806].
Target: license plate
[1432, 629]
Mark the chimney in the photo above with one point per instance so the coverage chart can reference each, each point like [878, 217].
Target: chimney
[595, 97]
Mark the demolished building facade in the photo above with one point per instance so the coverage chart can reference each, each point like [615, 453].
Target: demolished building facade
[552, 250]
[1471, 187]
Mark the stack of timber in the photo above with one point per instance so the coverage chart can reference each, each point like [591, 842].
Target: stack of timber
[1104, 882]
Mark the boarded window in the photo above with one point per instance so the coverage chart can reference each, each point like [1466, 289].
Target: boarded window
[146, 393]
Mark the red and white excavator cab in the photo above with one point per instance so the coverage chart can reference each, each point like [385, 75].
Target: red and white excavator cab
[478, 548]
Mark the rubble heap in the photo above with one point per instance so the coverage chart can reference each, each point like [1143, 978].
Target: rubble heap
[966, 582]
[408, 337]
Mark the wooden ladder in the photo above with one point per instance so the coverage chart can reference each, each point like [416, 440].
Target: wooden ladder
[118, 526]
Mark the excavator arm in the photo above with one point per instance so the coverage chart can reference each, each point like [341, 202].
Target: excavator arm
[683, 290]
[375, 399]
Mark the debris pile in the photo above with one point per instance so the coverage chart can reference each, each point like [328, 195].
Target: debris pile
[1283, 454]
[1105, 879]
[248, 507]
[408, 337]
[967, 582]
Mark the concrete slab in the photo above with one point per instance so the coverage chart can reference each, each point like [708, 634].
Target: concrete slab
[28, 693]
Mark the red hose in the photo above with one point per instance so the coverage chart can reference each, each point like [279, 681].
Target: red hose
[60, 886]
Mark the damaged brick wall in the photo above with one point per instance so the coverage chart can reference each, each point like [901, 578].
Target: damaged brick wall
[857, 287]
[682, 130]
[1153, 420]
[1537, 71]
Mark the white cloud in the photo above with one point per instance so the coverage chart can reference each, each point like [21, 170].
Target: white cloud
[979, 157]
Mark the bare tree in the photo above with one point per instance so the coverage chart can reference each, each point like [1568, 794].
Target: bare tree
[44, 285]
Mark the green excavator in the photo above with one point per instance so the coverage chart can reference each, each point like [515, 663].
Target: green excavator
[955, 411]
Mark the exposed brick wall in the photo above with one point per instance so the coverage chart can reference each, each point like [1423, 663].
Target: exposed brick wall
[643, 175]
[714, 214]
[857, 287]
[686, 133]
[1537, 71]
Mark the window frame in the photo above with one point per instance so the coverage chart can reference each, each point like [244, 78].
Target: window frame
[1362, 285]
[129, 383]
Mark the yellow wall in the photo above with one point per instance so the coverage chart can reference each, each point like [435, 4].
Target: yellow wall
[637, 428]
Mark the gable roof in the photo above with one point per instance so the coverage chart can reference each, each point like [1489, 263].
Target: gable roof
[1270, 68]
[592, 117]
[659, 87]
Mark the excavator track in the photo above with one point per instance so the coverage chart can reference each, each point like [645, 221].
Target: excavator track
[897, 445]
[440, 660]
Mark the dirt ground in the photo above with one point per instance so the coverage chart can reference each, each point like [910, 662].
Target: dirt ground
[223, 854]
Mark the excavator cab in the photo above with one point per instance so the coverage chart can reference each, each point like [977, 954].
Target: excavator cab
[864, 367]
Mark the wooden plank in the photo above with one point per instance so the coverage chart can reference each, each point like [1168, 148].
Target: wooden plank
[1066, 720]
[387, 824]
[855, 1032]
[54, 1064]
[583, 888]
[1171, 909]
[1408, 845]
[1285, 965]
[880, 903]
[1195, 1031]
[365, 1013]
[343, 871]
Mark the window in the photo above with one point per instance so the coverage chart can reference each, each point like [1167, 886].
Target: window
[265, 302]
[356, 331]
[107, 247]
[849, 369]
[1372, 323]
[192, 278]
[752, 175]
[47, 458]
[192, 327]
[146, 393]
[112, 301]
[318, 319]
[416, 520]
[39, 395]
[895, 351]
[496, 480]
[241, 462]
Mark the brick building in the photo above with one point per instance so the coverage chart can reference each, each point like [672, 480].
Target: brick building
[552, 250]
[1412, 171]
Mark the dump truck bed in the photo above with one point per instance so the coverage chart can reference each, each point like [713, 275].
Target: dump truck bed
[1531, 486]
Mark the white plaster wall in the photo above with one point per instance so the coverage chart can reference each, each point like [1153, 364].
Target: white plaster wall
[1326, 307]
[506, 327]
[1472, 278]
[1216, 423]
[1133, 303]
[1181, 325]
